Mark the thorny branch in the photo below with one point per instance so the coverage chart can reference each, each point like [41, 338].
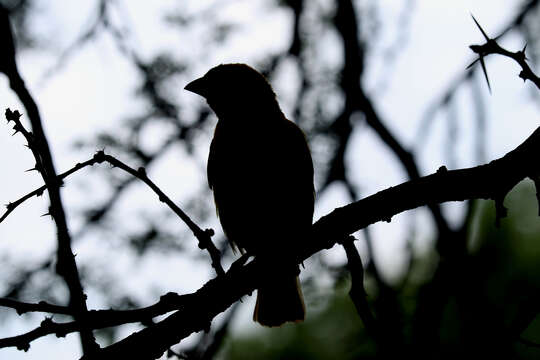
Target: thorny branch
[497, 194]
[66, 266]
[490, 181]
[97, 319]
[491, 47]
[445, 98]
[11, 206]
[204, 236]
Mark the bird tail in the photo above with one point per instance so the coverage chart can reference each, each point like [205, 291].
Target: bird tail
[279, 301]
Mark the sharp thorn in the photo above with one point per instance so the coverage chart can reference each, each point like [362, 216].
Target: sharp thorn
[479, 27]
[471, 64]
[485, 72]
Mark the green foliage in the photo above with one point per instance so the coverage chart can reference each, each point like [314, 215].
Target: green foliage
[504, 271]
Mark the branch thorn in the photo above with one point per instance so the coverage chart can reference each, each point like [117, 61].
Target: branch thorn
[484, 69]
[480, 28]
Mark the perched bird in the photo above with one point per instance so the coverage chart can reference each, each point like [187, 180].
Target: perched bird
[261, 173]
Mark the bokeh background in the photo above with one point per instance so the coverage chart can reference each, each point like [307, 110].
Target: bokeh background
[369, 82]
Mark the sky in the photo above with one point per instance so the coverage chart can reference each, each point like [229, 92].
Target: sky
[93, 91]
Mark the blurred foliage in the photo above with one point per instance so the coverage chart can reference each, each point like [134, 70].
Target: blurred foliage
[336, 332]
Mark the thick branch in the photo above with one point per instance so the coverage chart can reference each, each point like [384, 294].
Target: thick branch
[491, 181]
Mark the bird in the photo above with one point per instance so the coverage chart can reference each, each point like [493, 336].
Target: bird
[260, 170]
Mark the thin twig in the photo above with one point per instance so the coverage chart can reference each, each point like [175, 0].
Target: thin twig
[24, 307]
[97, 319]
[357, 292]
[39, 191]
[527, 10]
[492, 47]
[204, 236]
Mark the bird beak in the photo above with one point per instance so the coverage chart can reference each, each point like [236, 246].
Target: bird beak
[198, 86]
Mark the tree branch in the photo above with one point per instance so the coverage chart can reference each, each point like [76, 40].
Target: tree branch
[357, 100]
[491, 47]
[357, 293]
[204, 236]
[98, 319]
[66, 266]
[490, 181]
[24, 307]
[443, 99]
[39, 191]
[205, 242]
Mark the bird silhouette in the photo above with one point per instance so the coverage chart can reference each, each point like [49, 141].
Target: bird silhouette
[261, 173]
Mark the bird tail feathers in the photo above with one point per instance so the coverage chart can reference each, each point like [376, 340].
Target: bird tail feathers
[279, 301]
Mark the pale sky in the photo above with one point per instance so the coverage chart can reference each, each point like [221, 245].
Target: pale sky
[94, 92]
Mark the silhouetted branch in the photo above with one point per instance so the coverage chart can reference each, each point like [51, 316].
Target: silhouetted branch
[97, 319]
[492, 47]
[204, 236]
[98, 213]
[39, 191]
[65, 265]
[210, 341]
[357, 292]
[219, 336]
[490, 181]
[24, 307]
[153, 75]
[357, 100]
[455, 84]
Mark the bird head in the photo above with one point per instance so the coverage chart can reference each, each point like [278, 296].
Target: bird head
[233, 88]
